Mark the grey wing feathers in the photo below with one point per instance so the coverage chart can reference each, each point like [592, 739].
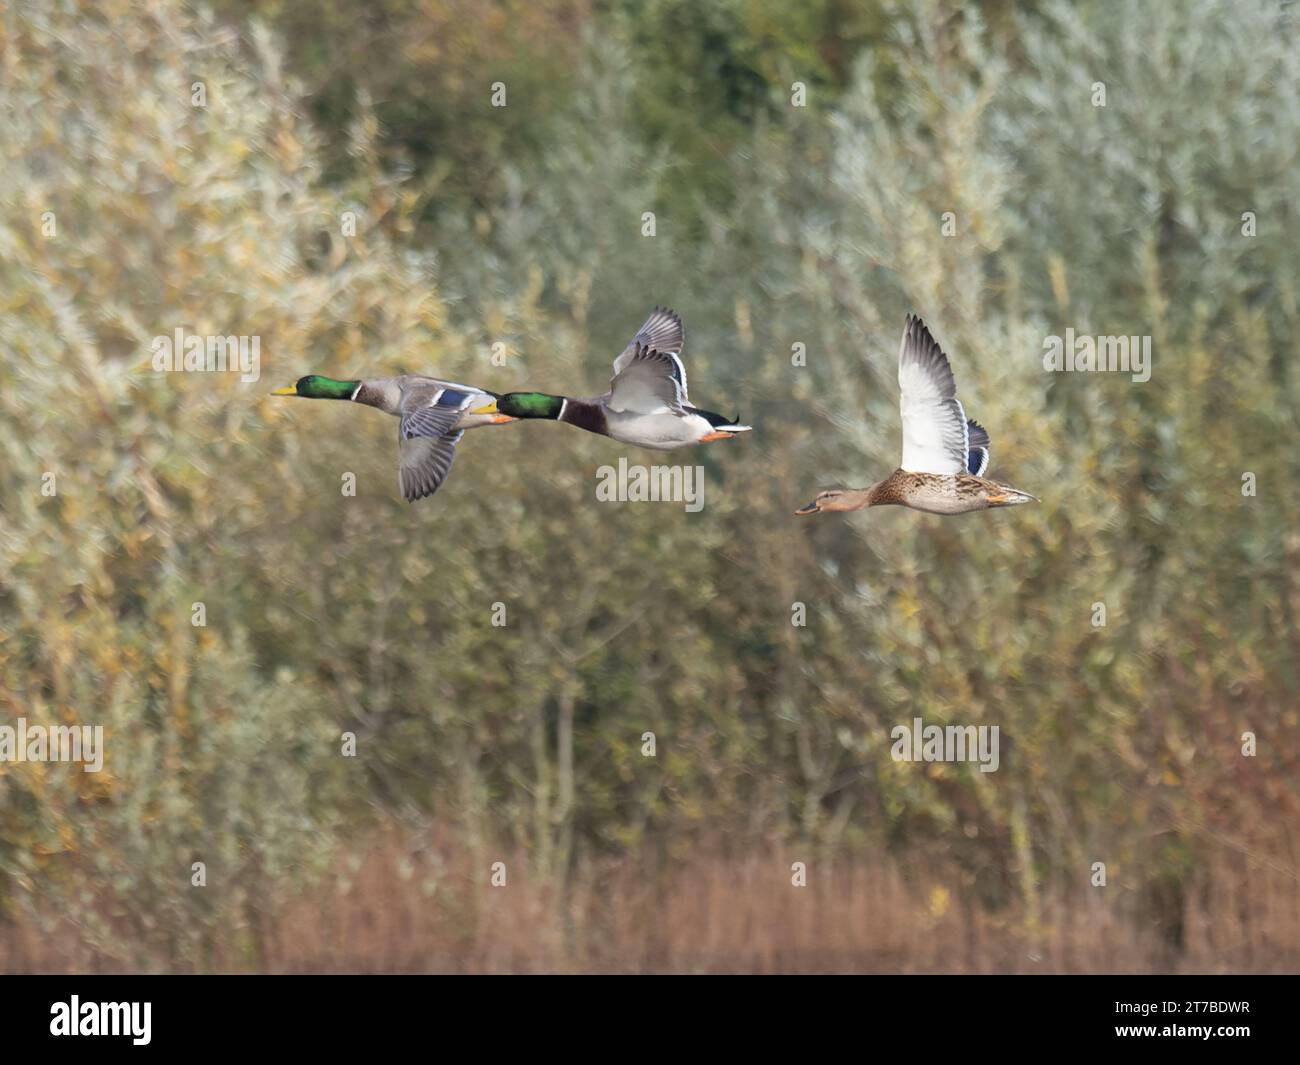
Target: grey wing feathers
[424, 462]
[649, 383]
[428, 436]
[429, 421]
[662, 331]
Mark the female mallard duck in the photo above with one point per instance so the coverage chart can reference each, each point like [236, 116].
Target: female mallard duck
[434, 416]
[646, 404]
[944, 453]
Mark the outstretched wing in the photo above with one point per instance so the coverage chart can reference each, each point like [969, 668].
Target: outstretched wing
[427, 434]
[424, 462]
[664, 333]
[934, 425]
[648, 383]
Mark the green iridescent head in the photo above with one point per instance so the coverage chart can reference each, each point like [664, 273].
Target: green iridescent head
[530, 405]
[314, 386]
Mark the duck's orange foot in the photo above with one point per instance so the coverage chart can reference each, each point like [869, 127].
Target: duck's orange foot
[1009, 498]
[716, 435]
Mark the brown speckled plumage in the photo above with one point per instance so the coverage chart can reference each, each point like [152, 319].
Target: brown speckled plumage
[943, 493]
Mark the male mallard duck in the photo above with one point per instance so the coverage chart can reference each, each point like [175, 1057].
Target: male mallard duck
[944, 453]
[434, 416]
[646, 403]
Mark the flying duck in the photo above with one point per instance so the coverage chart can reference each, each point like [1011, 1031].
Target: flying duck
[647, 402]
[434, 415]
[945, 454]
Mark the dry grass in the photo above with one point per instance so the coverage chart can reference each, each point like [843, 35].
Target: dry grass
[413, 904]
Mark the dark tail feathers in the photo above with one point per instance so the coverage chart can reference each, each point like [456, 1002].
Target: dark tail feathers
[977, 442]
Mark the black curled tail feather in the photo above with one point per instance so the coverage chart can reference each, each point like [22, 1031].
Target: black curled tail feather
[718, 421]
